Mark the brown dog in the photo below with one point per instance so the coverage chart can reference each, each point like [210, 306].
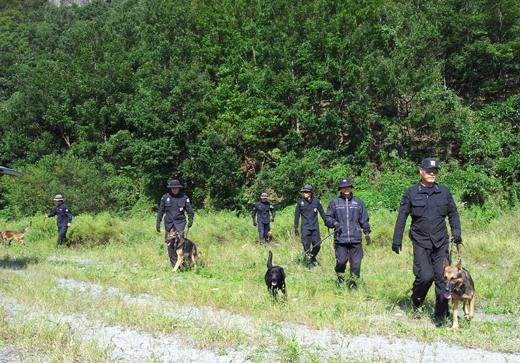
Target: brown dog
[459, 287]
[14, 234]
[183, 247]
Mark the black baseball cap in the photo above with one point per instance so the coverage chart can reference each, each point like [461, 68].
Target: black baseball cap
[430, 163]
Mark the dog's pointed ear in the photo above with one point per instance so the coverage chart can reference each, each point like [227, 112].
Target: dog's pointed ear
[171, 230]
[459, 265]
[446, 264]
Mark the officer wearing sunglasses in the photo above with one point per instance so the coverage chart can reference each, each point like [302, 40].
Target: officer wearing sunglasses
[429, 204]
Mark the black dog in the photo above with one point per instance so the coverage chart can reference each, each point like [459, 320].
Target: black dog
[275, 278]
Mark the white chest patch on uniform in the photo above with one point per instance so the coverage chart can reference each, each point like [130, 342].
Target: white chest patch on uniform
[303, 203]
[315, 210]
[181, 209]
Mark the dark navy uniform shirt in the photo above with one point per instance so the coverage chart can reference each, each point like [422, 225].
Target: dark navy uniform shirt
[429, 210]
[63, 213]
[263, 209]
[352, 215]
[174, 207]
[308, 209]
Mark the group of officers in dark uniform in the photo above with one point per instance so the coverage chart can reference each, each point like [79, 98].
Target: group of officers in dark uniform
[427, 202]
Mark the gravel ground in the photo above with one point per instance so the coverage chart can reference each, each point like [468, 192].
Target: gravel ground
[8, 355]
[129, 345]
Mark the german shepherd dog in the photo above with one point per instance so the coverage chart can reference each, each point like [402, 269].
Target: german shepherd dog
[269, 236]
[14, 234]
[183, 247]
[275, 278]
[459, 287]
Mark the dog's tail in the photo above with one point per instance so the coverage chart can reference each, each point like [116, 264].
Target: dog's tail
[28, 227]
[270, 260]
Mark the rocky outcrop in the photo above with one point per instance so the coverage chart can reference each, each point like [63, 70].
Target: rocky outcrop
[70, 2]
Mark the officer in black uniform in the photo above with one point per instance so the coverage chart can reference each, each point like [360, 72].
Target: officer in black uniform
[308, 207]
[174, 206]
[348, 216]
[262, 208]
[429, 203]
[64, 218]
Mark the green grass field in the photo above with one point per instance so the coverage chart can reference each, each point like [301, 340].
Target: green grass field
[130, 255]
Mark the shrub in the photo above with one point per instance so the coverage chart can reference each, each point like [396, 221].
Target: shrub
[94, 231]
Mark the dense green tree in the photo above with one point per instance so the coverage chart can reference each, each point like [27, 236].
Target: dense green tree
[237, 97]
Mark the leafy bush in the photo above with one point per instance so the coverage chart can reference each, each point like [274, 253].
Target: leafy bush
[95, 230]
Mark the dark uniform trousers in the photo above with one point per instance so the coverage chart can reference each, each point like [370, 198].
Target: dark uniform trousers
[62, 234]
[428, 266]
[349, 252]
[263, 229]
[311, 236]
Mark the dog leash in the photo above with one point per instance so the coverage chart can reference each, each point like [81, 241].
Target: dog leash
[458, 249]
[310, 248]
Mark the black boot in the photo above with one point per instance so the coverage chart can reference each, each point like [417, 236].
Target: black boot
[340, 282]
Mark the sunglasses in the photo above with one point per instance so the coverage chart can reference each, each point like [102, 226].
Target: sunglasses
[432, 170]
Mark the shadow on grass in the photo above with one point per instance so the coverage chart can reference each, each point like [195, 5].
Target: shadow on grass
[14, 263]
[404, 303]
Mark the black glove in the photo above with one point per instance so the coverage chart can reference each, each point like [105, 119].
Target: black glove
[158, 228]
[367, 237]
[397, 248]
[190, 223]
[296, 231]
[254, 224]
[457, 240]
[272, 219]
[336, 226]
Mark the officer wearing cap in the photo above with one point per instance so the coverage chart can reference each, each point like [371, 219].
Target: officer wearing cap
[308, 208]
[174, 206]
[262, 209]
[64, 218]
[429, 204]
[348, 216]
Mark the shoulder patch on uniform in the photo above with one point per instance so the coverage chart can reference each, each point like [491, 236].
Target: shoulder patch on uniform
[66, 210]
[404, 200]
[303, 203]
[271, 206]
[187, 200]
[168, 200]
